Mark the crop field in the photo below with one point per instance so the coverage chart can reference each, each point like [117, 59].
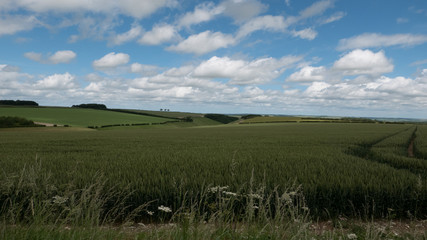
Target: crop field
[341, 169]
[282, 119]
[77, 117]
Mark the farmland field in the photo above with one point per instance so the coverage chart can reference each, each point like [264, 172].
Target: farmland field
[77, 117]
[336, 165]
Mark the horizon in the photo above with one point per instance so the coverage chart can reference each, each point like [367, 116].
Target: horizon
[287, 57]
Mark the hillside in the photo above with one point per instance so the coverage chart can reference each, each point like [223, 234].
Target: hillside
[78, 117]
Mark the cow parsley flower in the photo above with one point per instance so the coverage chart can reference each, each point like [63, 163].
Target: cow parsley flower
[164, 209]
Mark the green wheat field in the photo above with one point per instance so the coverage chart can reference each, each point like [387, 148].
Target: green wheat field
[206, 180]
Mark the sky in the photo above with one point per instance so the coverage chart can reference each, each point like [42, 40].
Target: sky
[365, 58]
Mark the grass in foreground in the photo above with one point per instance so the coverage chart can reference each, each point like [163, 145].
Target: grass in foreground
[30, 212]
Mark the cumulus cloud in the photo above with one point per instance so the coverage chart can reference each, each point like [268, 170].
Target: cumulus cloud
[13, 24]
[159, 34]
[130, 35]
[203, 43]
[57, 81]
[133, 8]
[202, 13]
[143, 69]
[359, 62]
[308, 74]
[64, 56]
[334, 17]
[267, 22]
[307, 33]
[355, 63]
[111, 60]
[242, 10]
[33, 56]
[316, 9]
[370, 40]
[242, 72]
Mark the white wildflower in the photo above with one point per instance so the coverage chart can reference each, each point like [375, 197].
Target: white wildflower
[287, 197]
[351, 236]
[217, 189]
[150, 213]
[59, 200]
[254, 195]
[164, 209]
[230, 193]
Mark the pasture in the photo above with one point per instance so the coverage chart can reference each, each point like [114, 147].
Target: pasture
[77, 117]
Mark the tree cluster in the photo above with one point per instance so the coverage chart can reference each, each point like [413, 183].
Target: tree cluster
[221, 118]
[9, 122]
[91, 105]
[18, 103]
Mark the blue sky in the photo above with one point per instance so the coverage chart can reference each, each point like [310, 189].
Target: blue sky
[336, 58]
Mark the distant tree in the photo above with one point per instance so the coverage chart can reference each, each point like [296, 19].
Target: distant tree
[91, 105]
[221, 118]
[8, 122]
[250, 116]
[18, 103]
[161, 109]
[188, 119]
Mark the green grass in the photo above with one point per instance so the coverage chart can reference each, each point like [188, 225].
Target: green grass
[278, 119]
[160, 164]
[168, 114]
[77, 116]
[263, 181]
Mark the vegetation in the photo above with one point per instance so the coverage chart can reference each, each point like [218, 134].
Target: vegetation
[261, 181]
[250, 116]
[18, 103]
[91, 105]
[9, 122]
[162, 165]
[221, 118]
[248, 119]
[79, 117]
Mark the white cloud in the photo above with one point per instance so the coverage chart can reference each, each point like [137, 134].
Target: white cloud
[242, 10]
[335, 17]
[359, 62]
[56, 82]
[111, 60]
[402, 20]
[202, 13]
[8, 68]
[65, 56]
[159, 34]
[130, 35]
[267, 22]
[308, 74]
[307, 33]
[180, 72]
[316, 9]
[203, 43]
[242, 72]
[33, 56]
[369, 40]
[133, 8]
[143, 69]
[13, 24]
